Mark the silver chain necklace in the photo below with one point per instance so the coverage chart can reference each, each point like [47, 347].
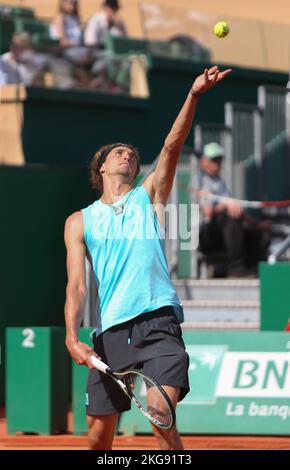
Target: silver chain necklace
[117, 209]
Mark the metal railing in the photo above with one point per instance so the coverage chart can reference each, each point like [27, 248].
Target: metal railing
[271, 99]
[246, 141]
[279, 250]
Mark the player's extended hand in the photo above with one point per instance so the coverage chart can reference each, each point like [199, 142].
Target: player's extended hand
[81, 352]
[209, 79]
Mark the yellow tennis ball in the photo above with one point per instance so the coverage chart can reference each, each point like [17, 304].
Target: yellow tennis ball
[221, 29]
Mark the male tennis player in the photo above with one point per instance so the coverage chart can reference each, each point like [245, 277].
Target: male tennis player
[139, 317]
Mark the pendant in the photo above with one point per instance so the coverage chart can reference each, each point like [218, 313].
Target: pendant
[118, 209]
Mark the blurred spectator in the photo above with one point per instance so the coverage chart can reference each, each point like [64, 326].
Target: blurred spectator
[226, 227]
[109, 74]
[100, 24]
[66, 26]
[87, 66]
[21, 64]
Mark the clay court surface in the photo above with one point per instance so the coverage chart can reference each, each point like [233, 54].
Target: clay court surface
[67, 442]
[145, 442]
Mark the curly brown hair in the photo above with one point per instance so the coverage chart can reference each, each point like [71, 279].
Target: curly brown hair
[100, 157]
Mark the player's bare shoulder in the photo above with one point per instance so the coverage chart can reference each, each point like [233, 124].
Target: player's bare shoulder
[74, 227]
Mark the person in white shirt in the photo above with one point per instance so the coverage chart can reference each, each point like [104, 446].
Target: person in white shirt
[103, 23]
[20, 64]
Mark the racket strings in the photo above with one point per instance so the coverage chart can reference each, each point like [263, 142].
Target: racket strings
[149, 397]
[155, 403]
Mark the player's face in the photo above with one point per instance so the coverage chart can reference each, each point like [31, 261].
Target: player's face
[121, 160]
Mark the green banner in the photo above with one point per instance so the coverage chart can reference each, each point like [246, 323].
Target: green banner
[275, 305]
[239, 384]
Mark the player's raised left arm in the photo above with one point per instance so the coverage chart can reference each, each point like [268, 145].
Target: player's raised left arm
[159, 184]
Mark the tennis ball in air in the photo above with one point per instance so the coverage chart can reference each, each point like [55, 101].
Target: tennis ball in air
[221, 29]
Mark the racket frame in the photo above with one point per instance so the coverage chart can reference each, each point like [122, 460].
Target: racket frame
[118, 376]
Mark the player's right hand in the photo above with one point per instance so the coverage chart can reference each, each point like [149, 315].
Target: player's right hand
[81, 353]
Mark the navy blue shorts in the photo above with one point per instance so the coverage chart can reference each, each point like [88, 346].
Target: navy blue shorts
[151, 342]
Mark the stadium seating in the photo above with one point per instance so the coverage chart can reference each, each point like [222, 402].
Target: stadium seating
[8, 16]
[39, 31]
[174, 48]
[17, 19]
[10, 10]
[6, 32]
[126, 45]
[31, 25]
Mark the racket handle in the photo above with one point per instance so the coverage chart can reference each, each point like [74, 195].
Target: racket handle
[100, 365]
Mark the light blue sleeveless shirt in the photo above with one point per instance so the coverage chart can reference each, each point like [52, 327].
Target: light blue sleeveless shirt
[127, 252]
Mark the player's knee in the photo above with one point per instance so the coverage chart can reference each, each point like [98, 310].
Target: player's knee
[99, 442]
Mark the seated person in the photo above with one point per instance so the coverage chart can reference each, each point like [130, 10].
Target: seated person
[226, 227]
[108, 73]
[21, 64]
[66, 27]
[103, 23]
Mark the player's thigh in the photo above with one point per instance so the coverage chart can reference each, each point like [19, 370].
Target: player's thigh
[172, 393]
[102, 429]
[171, 372]
[156, 400]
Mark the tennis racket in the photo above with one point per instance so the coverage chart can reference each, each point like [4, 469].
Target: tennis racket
[153, 403]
